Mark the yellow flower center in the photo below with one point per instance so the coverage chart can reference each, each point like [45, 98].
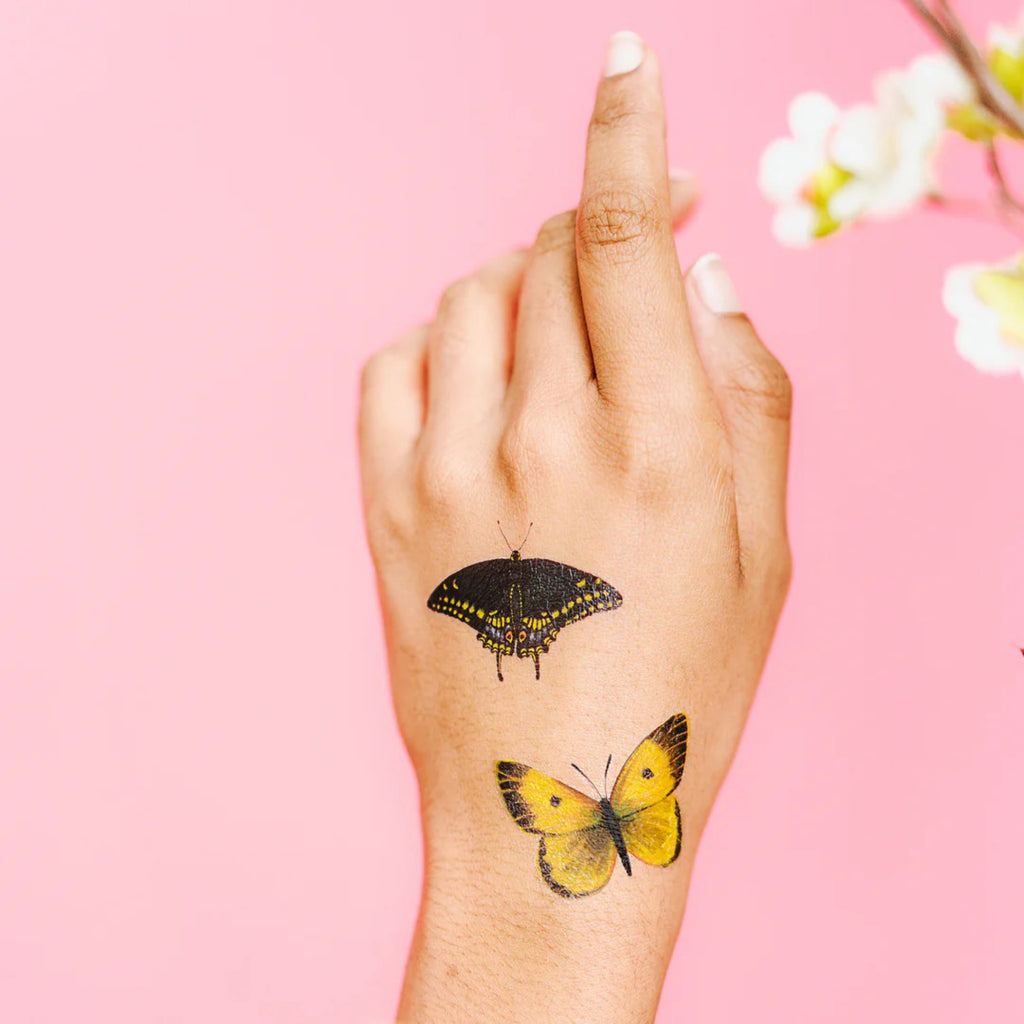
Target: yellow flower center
[1009, 69]
[824, 184]
[1003, 292]
[973, 122]
[976, 123]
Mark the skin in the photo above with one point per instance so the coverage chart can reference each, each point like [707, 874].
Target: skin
[582, 385]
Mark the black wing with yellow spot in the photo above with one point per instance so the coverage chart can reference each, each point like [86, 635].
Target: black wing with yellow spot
[479, 596]
[518, 606]
[555, 595]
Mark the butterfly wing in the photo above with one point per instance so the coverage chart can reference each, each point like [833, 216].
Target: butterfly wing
[652, 772]
[655, 834]
[479, 596]
[577, 864]
[576, 854]
[541, 804]
[555, 595]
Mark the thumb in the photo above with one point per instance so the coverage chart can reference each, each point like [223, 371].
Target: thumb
[755, 396]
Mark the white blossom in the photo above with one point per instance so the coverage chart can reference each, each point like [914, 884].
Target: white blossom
[872, 160]
[795, 171]
[988, 303]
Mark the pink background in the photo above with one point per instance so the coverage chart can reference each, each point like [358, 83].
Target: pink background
[211, 213]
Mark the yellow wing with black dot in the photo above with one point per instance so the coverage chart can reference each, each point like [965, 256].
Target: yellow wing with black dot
[653, 770]
[541, 804]
[642, 800]
[576, 854]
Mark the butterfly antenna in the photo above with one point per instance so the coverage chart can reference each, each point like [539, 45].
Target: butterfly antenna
[503, 537]
[608, 765]
[588, 778]
[527, 537]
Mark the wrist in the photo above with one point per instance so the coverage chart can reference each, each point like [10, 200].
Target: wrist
[494, 943]
[485, 949]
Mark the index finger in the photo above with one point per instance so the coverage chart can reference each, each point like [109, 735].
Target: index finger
[631, 285]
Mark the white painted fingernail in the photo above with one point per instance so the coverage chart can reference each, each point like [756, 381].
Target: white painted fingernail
[714, 285]
[625, 53]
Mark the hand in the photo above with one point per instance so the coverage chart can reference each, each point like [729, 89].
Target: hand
[633, 416]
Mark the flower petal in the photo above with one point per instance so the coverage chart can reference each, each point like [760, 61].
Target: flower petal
[794, 225]
[811, 116]
[937, 79]
[979, 341]
[981, 333]
[786, 166]
[958, 295]
[858, 142]
[850, 201]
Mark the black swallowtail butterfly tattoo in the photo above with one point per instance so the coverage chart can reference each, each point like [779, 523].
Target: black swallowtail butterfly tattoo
[518, 605]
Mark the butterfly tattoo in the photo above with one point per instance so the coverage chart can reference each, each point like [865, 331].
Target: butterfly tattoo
[518, 605]
[580, 837]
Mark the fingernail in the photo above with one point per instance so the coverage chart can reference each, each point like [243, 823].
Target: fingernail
[714, 285]
[625, 53]
[681, 175]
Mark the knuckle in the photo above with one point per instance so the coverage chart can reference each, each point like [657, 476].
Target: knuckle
[617, 222]
[556, 234]
[386, 525]
[459, 293]
[762, 384]
[646, 460]
[379, 369]
[372, 372]
[439, 478]
[519, 453]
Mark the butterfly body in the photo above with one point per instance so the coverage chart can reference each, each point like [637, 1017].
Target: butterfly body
[518, 605]
[610, 822]
[580, 837]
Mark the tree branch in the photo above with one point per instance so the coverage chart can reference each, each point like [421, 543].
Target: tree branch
[924, 12]
[945, 24]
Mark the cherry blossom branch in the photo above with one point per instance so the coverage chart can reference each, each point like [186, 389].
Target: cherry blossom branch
[944, 23]
[994, 98]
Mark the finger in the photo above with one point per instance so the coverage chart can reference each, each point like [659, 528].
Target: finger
[552, 350]
[630, 282]
[470, 346]
[392, 404]
[755, 396]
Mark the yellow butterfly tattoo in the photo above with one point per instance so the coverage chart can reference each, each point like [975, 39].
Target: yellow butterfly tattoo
[580, 837]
